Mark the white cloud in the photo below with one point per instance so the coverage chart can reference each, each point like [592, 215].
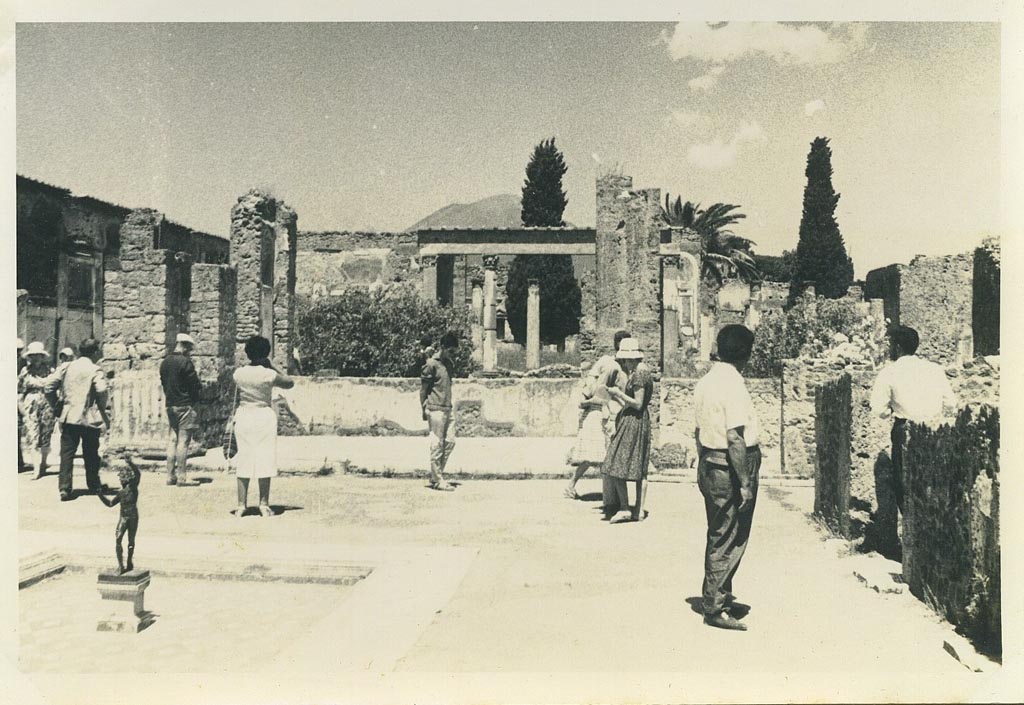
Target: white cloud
[705, 82]
[686, 118]
[719, 154]
[814, 106]
[787, 44]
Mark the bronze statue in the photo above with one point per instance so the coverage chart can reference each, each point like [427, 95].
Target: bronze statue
[127, 497]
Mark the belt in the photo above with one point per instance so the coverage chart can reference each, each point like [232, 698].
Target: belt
[721, 456]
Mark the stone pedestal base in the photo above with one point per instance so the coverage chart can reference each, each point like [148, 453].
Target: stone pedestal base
[122, 595]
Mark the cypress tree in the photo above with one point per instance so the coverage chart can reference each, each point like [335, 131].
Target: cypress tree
[821, 257]
[543, 203]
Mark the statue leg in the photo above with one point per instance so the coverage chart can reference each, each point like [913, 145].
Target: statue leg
[133, 526]
[119, 535]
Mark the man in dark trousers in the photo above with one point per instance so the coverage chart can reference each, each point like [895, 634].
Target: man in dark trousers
[181, 395]
[436, 404]
[727, 472]
[83, 387]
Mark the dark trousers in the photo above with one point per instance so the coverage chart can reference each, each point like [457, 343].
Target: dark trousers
[70, 435]
[728, 527]
[898, 436]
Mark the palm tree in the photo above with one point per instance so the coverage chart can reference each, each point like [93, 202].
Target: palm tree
[722, 252]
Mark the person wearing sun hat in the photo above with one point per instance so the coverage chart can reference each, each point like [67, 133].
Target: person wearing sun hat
[181, 387]
[38, 410]
[629, 451]
[727, 471]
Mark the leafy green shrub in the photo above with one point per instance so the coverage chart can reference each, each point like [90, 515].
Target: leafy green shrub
[811, 327]
[376, 333]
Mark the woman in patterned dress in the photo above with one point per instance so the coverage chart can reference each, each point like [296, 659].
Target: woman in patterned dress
[39, 413]
[629, 451]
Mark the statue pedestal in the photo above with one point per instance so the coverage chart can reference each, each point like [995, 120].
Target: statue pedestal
[122, 595]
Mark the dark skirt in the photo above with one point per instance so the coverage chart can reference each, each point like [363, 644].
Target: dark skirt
[629, 451]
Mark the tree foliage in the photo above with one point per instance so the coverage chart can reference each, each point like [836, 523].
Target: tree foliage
[809, 327]
[723, 253]
[776, 268]
[376, 333]
[821, 257]
[543, 204]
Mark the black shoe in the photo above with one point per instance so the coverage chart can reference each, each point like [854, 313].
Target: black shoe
[66, 496]
[723, 620]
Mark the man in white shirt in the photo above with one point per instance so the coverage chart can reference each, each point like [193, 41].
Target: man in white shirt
[727, 472]
[909, 389]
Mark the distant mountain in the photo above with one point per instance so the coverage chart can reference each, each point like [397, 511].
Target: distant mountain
[501, 211]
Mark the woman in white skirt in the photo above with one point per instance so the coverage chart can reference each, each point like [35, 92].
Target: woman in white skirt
[597, 419]
[256, 423]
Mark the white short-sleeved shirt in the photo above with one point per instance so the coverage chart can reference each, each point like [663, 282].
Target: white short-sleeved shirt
[721, 401]
[912, 388]
[255, 385]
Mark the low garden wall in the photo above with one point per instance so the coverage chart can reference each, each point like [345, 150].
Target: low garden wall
[503, 407]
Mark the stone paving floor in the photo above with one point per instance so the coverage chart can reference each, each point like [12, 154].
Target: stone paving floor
[546, 586]
[200, 625]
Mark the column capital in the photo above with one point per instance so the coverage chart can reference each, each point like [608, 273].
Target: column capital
[491, 262]
[670, 260]
[477, 280]
[533, 281]
[428, 260]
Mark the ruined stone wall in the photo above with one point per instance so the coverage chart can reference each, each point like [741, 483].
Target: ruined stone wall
[285, 235]
[936, 300]
[200, 247]
[951, 526]
[628, 271]
[142, 304]
[212, 309]
[985, 307]
[675, 419]
[832, 429]
[884, 284]
[329, 262]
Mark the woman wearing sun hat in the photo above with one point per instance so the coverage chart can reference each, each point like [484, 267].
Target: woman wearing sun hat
[629, 451]
[39, 417]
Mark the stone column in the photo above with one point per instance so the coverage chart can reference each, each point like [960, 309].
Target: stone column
[285, 240]
[533, 325]
[428, 273]
[263, 233]
[477, 322]
[490, 346]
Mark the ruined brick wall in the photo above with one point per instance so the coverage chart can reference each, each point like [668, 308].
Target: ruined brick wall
[936, 300]
[212, 310]
[263, 246]
[285, 236]
[884, 284]
[951, 526]
[142, 302]
[628, 271]
[329, 262]
[675, 420]
[832, 430]
[985, 306]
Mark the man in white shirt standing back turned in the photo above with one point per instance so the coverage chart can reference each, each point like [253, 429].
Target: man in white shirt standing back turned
[909, 389]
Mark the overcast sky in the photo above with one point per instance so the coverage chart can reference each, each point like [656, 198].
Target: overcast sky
[373, 126]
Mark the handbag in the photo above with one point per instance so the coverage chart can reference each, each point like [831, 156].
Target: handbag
[229, 443]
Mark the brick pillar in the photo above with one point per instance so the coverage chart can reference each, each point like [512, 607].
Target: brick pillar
[139, 315]
[490, 354]
[286, 233]
[263, 239]
[212, 309]
[533, 325]
[628, 240]
[477, 321]
[428, 274]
